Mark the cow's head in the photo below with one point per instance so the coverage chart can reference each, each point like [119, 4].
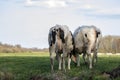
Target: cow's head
[73, 56]
[74, 59]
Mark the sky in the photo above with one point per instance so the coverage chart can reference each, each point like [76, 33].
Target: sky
[27, 22]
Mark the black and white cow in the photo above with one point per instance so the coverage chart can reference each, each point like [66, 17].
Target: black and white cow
[86, 41]
[60, 42]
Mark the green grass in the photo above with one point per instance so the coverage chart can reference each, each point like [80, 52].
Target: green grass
[23, 66]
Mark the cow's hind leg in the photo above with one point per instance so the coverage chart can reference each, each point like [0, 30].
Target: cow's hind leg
[94, 57]
[52, 62]
[69, 61]
[52, 57]
[85, 58]
[59, 60]
[63, 60]
[78, 59]
[89, 58]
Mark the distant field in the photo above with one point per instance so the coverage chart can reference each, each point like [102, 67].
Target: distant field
[37, 54]
[36, 66]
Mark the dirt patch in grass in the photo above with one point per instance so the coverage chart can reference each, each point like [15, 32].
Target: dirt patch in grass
[50, 76]
[6, 76]
[115, 73]
[62, 76]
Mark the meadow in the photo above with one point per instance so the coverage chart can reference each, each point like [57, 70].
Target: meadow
[36, 66]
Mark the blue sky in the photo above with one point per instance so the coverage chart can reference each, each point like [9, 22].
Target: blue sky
[27, 22]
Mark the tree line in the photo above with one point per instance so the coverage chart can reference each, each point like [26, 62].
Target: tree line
[7, 48]
[108, 44]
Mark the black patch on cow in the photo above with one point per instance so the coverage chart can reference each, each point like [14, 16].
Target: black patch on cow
[50, 39]
[51, 43]
[73, 51]
[85, 35]
[53, 37]
[97, 34]
[72, 38]
[61, 35]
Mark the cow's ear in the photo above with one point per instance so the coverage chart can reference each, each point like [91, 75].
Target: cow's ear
[53, 37]
[97, 34]
[62, 35]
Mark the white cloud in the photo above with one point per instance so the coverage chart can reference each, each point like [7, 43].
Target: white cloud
[55, 3]
[85, 7]
[50, 3]
[72, 1]
[33, 3]
[29, 2]
[46, 3]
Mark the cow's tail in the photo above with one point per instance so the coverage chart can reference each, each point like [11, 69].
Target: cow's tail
[98, 38]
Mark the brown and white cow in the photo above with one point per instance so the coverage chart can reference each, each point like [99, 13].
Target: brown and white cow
[60, 42]
[86, 41]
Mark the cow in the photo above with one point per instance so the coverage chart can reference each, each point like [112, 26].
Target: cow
[86, 41]
[60, 43]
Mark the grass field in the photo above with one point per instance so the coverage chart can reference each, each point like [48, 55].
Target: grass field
[36, 66]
